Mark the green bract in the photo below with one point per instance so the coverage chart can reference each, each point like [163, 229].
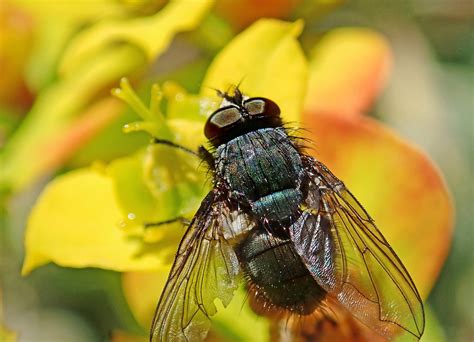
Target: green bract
[157, 183]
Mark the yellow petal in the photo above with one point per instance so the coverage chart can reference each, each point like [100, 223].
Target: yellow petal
[151, 34]
[249, 326]
[142, 291]
[76, 224]
[111, 207]
[266, 60]
[348, 68]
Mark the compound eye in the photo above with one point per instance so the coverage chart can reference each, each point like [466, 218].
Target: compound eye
[260, 106]
[221, 119]
[225, 117]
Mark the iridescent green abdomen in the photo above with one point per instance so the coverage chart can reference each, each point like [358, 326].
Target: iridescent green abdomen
[277, 275]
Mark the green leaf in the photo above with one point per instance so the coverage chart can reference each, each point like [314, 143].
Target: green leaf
[97, 294]
[433, 331]
[266, 60]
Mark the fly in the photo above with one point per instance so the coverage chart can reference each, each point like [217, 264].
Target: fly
[282, 220]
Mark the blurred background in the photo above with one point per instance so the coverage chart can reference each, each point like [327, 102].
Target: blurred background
[427, 100]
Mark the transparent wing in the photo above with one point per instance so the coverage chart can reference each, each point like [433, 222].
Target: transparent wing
[205, 268]
[352, 261]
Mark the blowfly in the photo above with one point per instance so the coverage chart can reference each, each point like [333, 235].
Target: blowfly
[281, 222]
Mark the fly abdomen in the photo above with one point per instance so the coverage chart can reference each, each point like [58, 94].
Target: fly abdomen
[277, 276]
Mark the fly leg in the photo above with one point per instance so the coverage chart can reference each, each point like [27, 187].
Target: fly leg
[172, 144]
[184, 221]
[202, 153]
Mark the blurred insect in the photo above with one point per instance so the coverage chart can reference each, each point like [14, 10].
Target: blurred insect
[282, 220]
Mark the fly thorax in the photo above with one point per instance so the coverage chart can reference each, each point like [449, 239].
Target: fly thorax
[264, 167]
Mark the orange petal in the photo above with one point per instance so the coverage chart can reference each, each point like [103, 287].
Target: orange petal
[16, 36]
[242, 13]
[398, 184]
[348, 68]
